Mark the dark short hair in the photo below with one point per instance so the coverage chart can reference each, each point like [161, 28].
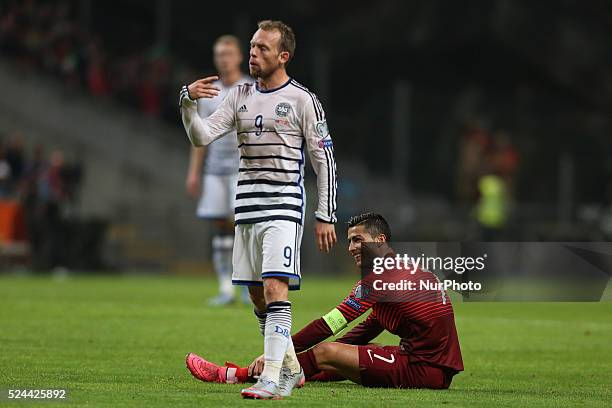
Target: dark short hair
[374, 224]
[287, 39]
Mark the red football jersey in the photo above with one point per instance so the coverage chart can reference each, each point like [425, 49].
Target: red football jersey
[423, 318]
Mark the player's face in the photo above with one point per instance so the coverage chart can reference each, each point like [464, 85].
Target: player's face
[356, 236]
[227, 58]
[265, 58]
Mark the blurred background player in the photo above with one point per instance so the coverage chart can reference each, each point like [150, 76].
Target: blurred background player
[276, 119]
[213, 171]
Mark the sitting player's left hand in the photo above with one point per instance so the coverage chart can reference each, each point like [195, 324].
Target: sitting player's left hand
[325, 234]
[256, 367]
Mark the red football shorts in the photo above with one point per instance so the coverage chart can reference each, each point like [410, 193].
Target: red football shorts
[386, 367]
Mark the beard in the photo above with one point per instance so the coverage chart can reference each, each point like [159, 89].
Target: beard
[262, 73]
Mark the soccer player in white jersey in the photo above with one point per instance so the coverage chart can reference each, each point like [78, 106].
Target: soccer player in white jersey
[276, 118]
[213, 170]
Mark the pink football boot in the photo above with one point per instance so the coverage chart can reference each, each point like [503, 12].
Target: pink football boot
[205, 370]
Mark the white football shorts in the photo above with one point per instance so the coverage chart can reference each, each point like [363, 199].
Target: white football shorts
[218, 196]
[267, 249]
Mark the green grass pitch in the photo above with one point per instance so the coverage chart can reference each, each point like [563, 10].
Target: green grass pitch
[121, 342]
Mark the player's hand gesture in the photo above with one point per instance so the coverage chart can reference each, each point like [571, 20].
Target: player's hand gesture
[325, 235]
[203, 88]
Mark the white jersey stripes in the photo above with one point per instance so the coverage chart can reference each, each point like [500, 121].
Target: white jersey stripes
[222, 155]
[273, 129]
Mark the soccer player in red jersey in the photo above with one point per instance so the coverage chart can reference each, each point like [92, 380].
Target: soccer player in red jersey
[428, 354]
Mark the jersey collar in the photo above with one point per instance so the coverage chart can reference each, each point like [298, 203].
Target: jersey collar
[273, 89]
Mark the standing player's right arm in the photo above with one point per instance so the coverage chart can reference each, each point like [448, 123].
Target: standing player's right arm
[194, 173]
[203, 131]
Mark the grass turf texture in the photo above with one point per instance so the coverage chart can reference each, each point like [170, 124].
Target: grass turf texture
[121, 341]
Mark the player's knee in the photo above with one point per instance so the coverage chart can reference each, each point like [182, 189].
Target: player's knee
[323, 352]
[276, 289]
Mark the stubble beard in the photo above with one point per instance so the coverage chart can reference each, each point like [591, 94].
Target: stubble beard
[259, 73]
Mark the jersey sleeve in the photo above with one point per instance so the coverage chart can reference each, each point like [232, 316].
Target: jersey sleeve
[355, 304]
[321, 151]
[205, 108]
[364, 332]
[333, 322]
[203, 131]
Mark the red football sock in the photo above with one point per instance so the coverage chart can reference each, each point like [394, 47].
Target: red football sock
[242, 374]
[236, 374]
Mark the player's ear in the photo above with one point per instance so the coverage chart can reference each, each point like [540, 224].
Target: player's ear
[381, 238]
[284, 57]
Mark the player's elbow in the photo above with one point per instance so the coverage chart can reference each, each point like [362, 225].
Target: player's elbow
[196, 137]
[195, 141]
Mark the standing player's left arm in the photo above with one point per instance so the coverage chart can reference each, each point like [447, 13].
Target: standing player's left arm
[321, 151]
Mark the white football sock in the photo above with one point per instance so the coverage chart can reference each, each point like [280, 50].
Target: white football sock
[276, 339]
[222, 262]
[291, 361]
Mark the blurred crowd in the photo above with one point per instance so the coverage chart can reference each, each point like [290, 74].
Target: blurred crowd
[488, 166]
[38, 192]
[46, 36]
[34, 177]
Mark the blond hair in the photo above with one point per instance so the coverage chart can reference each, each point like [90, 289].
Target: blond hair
[287, 39]
[228, 39]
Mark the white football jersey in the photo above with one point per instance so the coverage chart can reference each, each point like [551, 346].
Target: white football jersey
[273, 129]
[221, 155]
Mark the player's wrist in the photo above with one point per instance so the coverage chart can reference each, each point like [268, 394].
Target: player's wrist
[185, 95]
[324, 221]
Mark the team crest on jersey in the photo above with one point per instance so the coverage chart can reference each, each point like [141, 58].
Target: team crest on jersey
[322, 129]
[283, 109]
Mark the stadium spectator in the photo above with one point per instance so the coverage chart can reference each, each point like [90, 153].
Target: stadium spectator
[503, 158]
[45, 36]
[97, 82]
[474, 141]
[15, 157]
[5, 174]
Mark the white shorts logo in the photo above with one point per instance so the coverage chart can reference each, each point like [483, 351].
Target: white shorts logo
[387, 360]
